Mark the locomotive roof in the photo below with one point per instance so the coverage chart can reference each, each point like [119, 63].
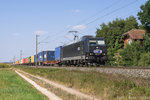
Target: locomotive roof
[83, 38]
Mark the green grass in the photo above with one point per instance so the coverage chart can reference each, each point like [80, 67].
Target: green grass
[101, 85]
[57, 91]
[13, 87]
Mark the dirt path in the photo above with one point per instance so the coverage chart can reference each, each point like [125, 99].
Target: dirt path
[67, 89]
[49, 94]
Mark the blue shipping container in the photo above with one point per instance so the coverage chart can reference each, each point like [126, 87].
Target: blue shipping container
[35, 59]
[40, 56]
[58, 53]
[49, 55]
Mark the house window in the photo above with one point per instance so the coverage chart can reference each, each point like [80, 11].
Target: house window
[129, 41]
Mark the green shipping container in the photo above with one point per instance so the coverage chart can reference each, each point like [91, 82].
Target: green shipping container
[30, 59]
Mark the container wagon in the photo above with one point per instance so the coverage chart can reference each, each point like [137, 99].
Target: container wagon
[58, 55]
[32, 61]
[40, 58]
[49, 58]
[29, 59]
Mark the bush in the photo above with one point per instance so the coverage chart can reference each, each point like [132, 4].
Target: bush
[118, 58]
[131, 54]
[144, 60]
[3, 65]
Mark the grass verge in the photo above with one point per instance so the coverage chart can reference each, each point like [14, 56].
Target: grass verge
[13, 87]
[101, 85]
[57, 91]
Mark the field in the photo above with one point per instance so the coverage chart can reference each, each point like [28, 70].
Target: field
[13, 87]
[101, 85]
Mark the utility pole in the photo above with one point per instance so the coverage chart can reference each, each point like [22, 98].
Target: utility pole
[14, 60]
[20, 54]
[36, 49]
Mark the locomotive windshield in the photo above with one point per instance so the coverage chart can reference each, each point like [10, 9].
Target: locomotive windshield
[92, 42]
[101, 42]
[96, 42]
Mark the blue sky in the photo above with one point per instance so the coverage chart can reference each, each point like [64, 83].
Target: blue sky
[20, 20]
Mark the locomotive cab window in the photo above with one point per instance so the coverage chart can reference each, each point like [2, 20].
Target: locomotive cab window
[101, 42]
[92, 42]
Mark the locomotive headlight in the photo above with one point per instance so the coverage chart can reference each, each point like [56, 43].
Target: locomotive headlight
[103, 53]
[87, 54]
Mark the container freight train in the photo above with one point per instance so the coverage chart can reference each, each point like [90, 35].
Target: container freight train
[88, 50]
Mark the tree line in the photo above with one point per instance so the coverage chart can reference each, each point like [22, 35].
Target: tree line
[134, 54]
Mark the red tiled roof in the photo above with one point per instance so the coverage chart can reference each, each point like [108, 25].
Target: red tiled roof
[135, 34]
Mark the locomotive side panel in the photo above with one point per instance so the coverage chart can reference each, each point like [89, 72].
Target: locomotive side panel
[72, 52]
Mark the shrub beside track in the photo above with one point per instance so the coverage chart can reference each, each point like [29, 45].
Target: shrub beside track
[3, 65]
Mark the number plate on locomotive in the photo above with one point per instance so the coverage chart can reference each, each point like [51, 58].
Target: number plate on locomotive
[97, 51]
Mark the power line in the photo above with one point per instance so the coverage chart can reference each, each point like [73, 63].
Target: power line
[120, 16]
[113, 11]
[85, 19]
[109, 13]
[100, 11]
[20, 54]
[55, 34]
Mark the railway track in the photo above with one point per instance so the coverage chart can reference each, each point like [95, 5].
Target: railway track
[137, 72]
[121, 67]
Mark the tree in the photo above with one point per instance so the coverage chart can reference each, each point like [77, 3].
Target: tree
[144, 16]
[112, 33]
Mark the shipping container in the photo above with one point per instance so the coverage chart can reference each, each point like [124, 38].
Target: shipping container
[16, 62]
[35, 58]
[32, 59]
[29, 58]
[58, 53]
[21, 61]
[49, 56]
[40, 56]
[26, 60]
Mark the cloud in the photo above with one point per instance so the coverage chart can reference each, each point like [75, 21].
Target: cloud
[16, 34]
[40, 32]
[68, 26]
[79, 27]
[76, 11]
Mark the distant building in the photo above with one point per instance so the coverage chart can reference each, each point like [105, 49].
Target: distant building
[133, 35]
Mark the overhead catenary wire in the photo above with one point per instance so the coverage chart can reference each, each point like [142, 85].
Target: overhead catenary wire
[120, 8]
[106, 8]
[56, 34]
[120, 16]
[95, 27]
[102, 10]
[113, 11]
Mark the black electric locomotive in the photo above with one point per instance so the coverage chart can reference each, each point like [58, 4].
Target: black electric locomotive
[88, 50]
